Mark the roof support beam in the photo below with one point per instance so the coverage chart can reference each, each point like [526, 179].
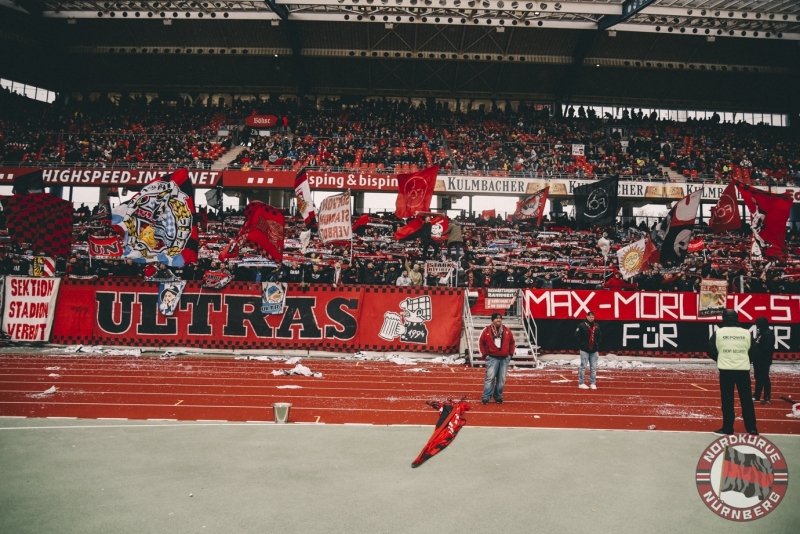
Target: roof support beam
[629, 9]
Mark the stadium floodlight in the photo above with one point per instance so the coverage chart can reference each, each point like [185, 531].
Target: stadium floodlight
[389, 26]
[167, 22]
[710, 38]
[275, 22]
[612, 33]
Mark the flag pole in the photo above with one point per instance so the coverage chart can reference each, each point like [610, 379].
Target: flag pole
[352, 201]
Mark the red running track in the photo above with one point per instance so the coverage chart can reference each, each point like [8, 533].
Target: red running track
[380, 393]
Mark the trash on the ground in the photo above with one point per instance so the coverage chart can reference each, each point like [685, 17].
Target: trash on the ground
[54, 375]
[651, 427]
[795, 411]
[536, 417]
[191, 495]
[449, 360]
[124, 352]
[45, 393]
[172, 354]
[292, 361]
[297, 370]
[399, 360]
[289, 386]
[558, 381]
[416, 370]
[54, 368]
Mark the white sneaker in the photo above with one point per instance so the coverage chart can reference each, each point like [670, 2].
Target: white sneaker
[583, 386]
[592, 387]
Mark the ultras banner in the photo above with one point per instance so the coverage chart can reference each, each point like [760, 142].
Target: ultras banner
[344, 319]
[30, 306]
[653, 322]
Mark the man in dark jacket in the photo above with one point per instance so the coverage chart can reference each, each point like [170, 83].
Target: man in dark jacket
[589, 338]
[761, 351]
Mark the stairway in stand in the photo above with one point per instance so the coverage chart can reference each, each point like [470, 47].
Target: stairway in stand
[527, 351]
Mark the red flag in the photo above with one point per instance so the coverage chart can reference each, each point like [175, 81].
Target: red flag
[263, 226]
[439, 227]
[102, 247]
[696, 245]
[451, 419]
[413, 226]
[725, 215]
[415, 192]
[533, 206]
[768, 215]
[361, 221]
[488, 214]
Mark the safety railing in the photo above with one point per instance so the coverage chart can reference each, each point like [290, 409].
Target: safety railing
[468, 328]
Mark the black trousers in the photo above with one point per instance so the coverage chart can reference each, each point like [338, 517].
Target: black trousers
[761, 372]
[728, 380]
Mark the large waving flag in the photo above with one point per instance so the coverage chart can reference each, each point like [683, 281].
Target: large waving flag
[305, 204]
[674, 233]
[40, 221]
[263, 227]
[158, 224]
[596, 203]
[768, 215]
[533, 206]
[415, 192]
[725, 215]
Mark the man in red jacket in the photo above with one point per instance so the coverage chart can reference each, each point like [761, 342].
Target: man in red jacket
[497, 346]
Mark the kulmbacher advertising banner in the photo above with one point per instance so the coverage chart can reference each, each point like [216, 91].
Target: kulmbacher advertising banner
[30, 306]
[124, 311]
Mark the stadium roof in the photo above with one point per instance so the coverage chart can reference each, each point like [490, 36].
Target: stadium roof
[736, 54]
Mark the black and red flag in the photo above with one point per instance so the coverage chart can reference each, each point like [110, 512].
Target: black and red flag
[409, 231]
[451, 419]
[40, 220]
[748, 474]
[768, 215]
[263, 227]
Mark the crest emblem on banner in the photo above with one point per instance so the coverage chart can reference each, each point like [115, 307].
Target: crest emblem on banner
[410, 326]
[596, 204]
[273, 296]
[169, 296]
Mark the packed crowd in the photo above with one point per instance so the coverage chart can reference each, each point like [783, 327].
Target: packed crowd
[101, 134]
[469, 252]
[397, 136]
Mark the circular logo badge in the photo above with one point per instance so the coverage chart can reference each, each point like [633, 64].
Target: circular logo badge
[416, 190]
[597, 203]
[742, 477]
[726, 210]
